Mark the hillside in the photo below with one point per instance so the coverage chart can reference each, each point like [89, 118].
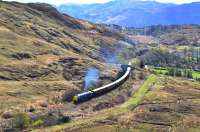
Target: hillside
[134, 13]
[161, 104]
[37, 37]
[166, 34]
[44, 56]
[166, 45]
[47, 57]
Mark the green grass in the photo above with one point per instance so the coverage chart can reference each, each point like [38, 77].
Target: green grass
[164, 71]
[138, 96]
[196, 74]
[194, 130]
[181, 48]
[161, 71]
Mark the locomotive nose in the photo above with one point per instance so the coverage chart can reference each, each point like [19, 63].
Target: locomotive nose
[75, 99]
[83, 97]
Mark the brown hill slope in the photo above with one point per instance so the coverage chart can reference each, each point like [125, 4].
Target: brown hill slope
[37, 37]
[44, 53]
[167, 34]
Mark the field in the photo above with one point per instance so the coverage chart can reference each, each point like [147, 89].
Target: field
[182, 48]
[196, 74]
[164, 71]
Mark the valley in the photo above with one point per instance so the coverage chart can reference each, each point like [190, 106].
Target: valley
[47, 57]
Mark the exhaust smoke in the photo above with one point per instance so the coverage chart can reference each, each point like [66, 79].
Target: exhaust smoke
[91, 77]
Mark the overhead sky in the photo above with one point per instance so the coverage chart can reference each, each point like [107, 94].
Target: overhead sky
[58, 2]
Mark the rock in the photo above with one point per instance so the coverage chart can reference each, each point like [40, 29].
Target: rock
[102, 105]
[159, 109]
[8, 114]
[54, 33]
[43, 104]
[21, 56]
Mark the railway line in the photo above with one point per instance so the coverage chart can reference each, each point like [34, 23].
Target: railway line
[85, 96]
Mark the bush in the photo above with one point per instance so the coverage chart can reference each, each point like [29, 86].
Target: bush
[141, 75]
[38, 123]
[21, 121]
[32, 109]
[65, 119]
[68, 95]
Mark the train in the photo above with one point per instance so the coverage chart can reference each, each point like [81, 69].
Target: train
[85, 96]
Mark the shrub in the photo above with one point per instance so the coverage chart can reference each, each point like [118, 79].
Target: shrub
[32, 109]
[68, 95]
[38, 123]
[142, 75]
[65, 119]
[22, 120]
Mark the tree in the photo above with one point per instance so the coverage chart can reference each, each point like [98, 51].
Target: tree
[141, 64]
[178, 72]
[189, 74]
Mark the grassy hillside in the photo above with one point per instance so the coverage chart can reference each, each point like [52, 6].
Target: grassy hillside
[44, 56]
[170, 104]
[112, 113]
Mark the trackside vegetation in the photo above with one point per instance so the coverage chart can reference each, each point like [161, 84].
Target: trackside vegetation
[138, 96]
[113, 112]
